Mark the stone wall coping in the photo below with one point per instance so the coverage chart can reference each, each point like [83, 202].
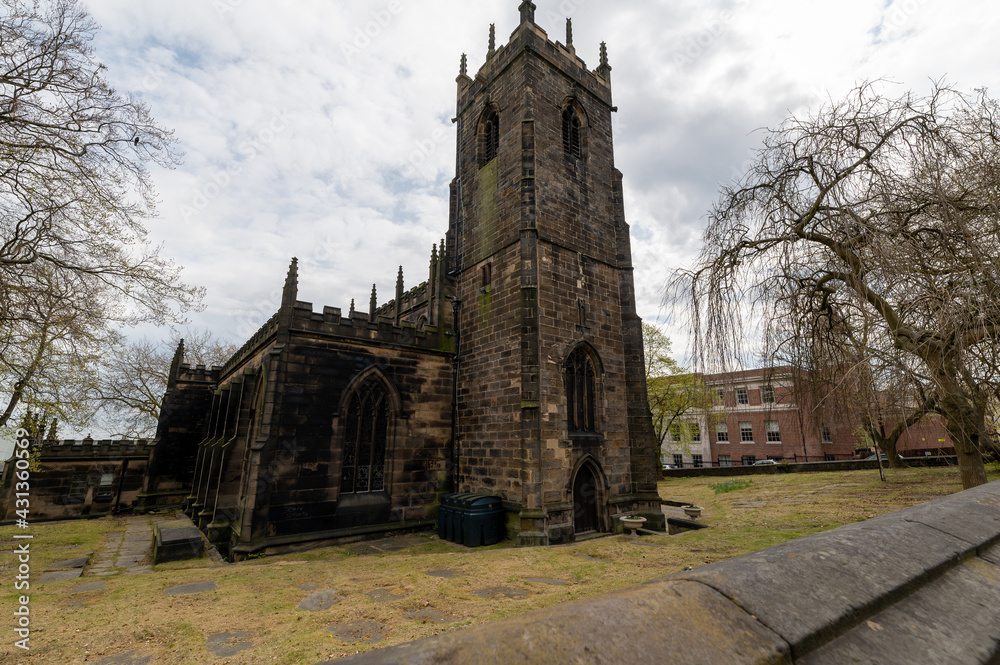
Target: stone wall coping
[918, 586]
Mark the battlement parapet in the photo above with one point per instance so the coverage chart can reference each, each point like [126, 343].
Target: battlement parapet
[94, 448]
[266, 331]
[331, 322]
[535, 39]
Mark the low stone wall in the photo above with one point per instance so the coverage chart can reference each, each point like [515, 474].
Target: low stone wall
[803, 467]
[918, 586]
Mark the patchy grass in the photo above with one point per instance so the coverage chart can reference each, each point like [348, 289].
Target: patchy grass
[731, 485]
[133, 615]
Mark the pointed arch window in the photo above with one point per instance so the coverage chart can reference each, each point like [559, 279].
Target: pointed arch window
[365, 434]
[571, 132]
[581, 388]
[489, 137]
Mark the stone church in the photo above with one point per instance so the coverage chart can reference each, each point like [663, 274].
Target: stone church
[515, 369]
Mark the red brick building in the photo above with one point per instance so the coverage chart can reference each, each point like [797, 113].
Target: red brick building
[767, 414]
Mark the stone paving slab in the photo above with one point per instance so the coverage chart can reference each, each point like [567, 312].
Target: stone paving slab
[320, 600]
[447, 574]
[427, 615]
[955, 619]
[224, 645]
[195, 587]
[992, 554]
[604, 629]
[808, 589]
[59, 576]
[498, 592]
[978, 522]
[87, 587]
[357, 632]
[68, 564]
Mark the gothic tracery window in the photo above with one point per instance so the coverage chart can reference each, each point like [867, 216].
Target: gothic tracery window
[571, 132]
[365, 435]
[581, 385]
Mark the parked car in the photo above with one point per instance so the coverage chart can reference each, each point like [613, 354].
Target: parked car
[667, 467]
[764, 462]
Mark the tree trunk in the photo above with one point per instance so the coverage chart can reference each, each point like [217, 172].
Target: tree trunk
[967, 427]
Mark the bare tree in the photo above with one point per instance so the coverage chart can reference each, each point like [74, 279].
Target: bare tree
[74, 192]
[130, 388]
[870, 229]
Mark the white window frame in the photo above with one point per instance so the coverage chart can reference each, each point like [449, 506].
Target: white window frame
[744, 429]
[721, 428]
[775, 430]
[742, 397]
[767, 394]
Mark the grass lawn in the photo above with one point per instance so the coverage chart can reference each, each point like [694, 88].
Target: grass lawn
[132, 613]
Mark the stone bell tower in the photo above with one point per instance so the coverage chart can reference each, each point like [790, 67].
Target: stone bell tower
[552, 409]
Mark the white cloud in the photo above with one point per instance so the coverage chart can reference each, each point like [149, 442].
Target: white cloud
[353, 177]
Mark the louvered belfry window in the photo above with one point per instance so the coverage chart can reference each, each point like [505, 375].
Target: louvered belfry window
[571, 132]
[365, 436]
[581, 382]
[490, 139]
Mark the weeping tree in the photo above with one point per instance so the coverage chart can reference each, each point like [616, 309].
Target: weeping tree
[868, 234]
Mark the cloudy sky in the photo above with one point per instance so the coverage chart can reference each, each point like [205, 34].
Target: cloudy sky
[322, 129]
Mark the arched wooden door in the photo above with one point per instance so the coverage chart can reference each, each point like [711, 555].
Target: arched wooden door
[585, 500]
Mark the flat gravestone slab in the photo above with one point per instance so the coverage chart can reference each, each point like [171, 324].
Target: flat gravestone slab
[308, 587]
[60, 576]
[70, 563]
[321, 600]
[444, 573]
[90, 586]
[803, 588]
[357, 632]
[498, 592]
[978, 521]
[954, 619]
[387, 595]
[544, 580]
[992, 555]
[224, 645]
[427, 615]
[130, 658]
[196, 587]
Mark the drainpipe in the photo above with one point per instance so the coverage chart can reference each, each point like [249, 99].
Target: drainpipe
[453, 454]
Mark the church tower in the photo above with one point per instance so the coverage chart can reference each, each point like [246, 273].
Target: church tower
[552, 412]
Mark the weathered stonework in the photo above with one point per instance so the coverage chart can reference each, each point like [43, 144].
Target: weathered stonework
[325, 427]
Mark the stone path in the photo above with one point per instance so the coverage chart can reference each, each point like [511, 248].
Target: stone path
[128, 551]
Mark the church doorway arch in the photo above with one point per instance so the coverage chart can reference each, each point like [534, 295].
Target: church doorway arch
[588, 497]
